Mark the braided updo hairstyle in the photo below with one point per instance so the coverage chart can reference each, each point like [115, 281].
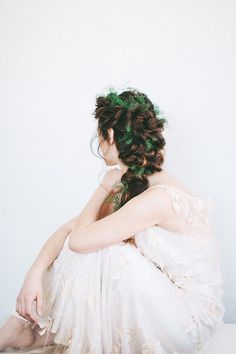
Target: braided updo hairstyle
[138, 135]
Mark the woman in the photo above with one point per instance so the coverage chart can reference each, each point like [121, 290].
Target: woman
[138, 270]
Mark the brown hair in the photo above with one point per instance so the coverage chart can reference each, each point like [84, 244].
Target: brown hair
[144, 125]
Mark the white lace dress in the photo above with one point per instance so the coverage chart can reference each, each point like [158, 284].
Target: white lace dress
[164, 297]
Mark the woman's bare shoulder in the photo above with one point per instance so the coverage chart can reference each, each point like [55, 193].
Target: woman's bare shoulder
[166, 179]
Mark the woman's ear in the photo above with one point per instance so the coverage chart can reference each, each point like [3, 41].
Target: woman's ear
[111, 135]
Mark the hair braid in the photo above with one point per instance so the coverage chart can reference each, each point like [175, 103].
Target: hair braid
[138, 127]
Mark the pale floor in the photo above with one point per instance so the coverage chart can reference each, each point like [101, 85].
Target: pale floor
[223, 342]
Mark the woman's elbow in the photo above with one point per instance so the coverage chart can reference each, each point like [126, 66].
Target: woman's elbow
[74, 245]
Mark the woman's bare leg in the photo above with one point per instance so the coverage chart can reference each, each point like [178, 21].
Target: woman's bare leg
[39, 341]
[14, 333]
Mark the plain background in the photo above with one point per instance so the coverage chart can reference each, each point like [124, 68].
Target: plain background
[55, 57]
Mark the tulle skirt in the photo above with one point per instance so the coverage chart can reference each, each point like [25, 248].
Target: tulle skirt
[116, 300]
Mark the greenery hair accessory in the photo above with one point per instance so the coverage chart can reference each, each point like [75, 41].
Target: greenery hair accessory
[132, 102]
[140, 170]
[128, 138]
[149, 144]
[115, 198]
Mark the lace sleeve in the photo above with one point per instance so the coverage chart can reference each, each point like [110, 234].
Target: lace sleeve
[194, 212]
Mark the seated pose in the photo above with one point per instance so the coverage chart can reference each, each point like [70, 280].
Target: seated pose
[138, 270]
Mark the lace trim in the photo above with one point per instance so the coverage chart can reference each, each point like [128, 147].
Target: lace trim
[193, 211]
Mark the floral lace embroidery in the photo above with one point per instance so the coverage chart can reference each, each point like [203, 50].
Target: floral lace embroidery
[123, 334]
[151, 346]
[193, 212]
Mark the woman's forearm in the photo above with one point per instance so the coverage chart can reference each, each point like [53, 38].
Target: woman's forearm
[50, 250]
[92, 209]
[54, 244]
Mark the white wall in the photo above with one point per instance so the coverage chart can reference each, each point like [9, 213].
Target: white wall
[55, 56]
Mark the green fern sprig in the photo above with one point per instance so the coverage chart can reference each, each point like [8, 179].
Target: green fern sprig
[116, 201]
[128, 137]
[129, 103]
[150, 143]
[138, 170]
[116, 198]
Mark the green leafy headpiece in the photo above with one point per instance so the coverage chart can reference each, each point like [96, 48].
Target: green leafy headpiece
[132, 102]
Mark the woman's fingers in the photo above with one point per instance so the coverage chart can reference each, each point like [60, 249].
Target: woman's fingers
[39, 305]
[28, 314]
[23, 309]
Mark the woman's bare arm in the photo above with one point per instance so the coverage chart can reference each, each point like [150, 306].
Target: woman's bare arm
[32, 286]
[147, 209]
[51, 249]
[54, 244]
[31, 289]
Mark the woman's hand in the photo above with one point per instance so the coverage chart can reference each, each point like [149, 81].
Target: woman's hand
[111, 177]
[31, 290]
